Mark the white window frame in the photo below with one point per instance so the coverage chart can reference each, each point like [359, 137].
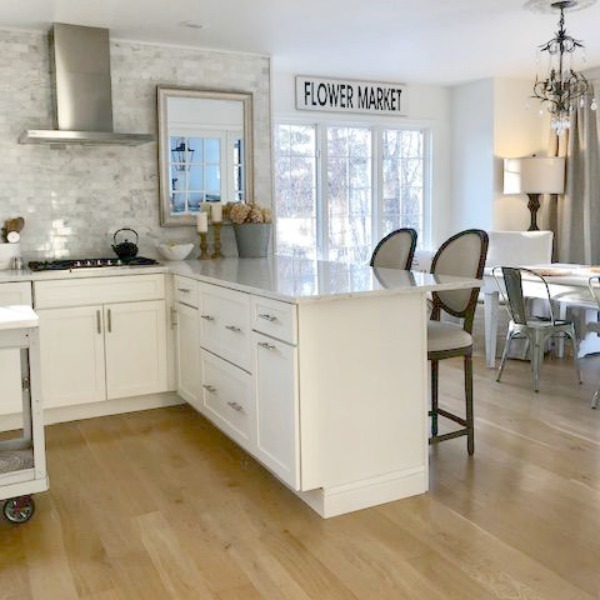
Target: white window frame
[376, 126]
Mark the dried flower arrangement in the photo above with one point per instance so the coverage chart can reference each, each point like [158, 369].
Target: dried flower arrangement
[240, 213]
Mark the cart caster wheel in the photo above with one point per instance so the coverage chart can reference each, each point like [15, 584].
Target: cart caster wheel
[19, 510]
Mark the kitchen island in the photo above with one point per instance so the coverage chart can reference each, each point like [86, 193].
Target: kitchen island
[317, 369]
[330, 368]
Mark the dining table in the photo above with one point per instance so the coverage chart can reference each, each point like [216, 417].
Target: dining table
[568, 286]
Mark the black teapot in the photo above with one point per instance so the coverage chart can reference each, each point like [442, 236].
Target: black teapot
[125, 249]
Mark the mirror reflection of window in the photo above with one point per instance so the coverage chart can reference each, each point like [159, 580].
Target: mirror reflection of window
[196, 167]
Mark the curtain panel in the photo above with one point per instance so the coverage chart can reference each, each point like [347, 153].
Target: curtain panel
[578, 210]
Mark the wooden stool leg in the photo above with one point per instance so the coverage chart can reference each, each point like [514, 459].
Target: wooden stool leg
[469, 405]
[434, 398]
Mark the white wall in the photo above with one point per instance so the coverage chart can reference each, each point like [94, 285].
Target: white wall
[427, 106]
[472, 113]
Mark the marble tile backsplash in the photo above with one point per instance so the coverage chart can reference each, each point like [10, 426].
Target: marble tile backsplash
[74, 198]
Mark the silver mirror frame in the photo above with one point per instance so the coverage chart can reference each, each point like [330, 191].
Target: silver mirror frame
[165, 92]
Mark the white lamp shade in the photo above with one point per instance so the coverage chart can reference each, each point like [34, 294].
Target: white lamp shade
[534, 175]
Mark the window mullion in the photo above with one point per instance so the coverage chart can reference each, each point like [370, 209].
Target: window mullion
[376, 185]
[322, 199]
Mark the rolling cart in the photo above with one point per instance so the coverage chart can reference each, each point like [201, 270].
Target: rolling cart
[23, 460]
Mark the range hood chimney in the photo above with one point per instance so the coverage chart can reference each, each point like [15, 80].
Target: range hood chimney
[80, 72]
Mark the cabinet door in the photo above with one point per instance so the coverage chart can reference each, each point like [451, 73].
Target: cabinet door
[277, 415]
[136, 348]
[228, 398]
[188, 355]
[72, 355]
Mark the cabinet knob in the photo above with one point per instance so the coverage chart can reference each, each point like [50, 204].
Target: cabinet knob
[267, 346]
[237, 407]
[233, 328]
[209, 388]
[184, 290]
[207, 317]
[266, 317]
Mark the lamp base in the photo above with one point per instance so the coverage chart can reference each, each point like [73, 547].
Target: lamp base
[533, 205]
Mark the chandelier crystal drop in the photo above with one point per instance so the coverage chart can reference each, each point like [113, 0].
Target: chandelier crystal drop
[563, 88]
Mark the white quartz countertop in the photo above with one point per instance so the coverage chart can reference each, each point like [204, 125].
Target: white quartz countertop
[280, 278]
[301, 280]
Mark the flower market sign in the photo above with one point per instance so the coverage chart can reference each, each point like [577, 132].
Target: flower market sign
[340, 95]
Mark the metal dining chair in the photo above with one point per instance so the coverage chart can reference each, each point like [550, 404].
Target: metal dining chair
[537, 329]
[464, 255]
[396, 250]
[594, 286]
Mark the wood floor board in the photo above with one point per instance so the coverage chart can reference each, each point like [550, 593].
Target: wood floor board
[161, 505]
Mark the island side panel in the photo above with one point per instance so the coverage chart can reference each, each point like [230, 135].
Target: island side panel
[363, 388]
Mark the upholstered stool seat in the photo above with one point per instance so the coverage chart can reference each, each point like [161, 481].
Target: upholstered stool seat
[446, 336]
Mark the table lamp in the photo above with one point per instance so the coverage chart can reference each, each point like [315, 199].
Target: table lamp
[534, 175]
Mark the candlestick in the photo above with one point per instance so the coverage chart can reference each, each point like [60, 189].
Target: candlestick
[216, 212]
[204, 255]
[202, 222]
[217, 252]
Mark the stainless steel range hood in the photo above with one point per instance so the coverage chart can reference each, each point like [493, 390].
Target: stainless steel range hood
[80, 72]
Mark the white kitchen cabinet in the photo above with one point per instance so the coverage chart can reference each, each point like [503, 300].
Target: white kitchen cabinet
[72, 355]
[277, 411]
[95, 345]
[135, 342]
[187, 341]
[228, 398]
[12, 293]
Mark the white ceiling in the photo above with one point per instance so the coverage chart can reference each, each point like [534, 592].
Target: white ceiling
[420, 41]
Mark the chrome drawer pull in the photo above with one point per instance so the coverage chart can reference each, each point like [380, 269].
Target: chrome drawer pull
[237, 407]
[184, 290]
[209, 388]
[207, 317]
[267, 346]
[269, 318]
[233, 328]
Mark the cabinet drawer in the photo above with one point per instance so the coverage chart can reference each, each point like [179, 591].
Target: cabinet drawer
[15, 293]
[227, 397]
[225, 324]
[186, 291]
[275, 318]
[98, 290]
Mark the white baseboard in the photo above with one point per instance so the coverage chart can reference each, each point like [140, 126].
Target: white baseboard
[96, 409]
[343, 499]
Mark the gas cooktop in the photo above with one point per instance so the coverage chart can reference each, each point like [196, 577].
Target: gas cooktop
[90, 263]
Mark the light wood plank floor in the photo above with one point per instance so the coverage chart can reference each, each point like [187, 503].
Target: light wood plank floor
[160, 505]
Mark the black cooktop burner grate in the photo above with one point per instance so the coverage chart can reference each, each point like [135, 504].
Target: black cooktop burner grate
[90, 263]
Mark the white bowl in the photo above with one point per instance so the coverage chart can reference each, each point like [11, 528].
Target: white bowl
[174, 251]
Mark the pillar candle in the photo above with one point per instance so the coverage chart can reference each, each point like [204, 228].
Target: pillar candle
[202, 222]
[216, 212]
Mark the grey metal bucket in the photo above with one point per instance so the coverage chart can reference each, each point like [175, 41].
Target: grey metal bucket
[252, 239]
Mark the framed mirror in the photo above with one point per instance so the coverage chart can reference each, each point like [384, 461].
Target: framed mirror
[204, 151]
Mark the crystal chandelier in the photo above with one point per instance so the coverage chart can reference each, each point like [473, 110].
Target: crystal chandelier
[563, 88]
